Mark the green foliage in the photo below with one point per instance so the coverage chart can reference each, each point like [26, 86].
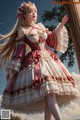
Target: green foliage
[56, 14]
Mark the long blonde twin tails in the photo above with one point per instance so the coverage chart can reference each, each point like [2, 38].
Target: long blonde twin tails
[8, 45]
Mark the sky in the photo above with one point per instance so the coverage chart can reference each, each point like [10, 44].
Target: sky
[8, 13]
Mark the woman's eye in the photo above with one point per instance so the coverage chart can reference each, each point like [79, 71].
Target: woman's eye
[30, 11]
[35, 11]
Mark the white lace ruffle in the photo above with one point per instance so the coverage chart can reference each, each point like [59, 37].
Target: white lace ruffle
[31, 98]
[62, 38]
[14, 65]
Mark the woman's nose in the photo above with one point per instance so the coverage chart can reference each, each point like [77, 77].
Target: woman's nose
[34, 13]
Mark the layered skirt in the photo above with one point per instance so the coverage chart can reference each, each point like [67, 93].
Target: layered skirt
[26, 90]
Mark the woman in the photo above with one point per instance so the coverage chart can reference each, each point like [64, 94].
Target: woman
[37, 79]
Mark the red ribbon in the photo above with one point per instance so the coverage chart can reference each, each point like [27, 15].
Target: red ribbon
[37, 80]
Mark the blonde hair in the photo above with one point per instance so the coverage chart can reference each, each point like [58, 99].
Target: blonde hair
[7, 47]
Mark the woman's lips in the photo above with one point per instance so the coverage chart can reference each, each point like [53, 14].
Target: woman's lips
[34, 16]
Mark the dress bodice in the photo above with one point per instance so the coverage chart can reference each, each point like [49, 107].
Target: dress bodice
[35, 33]
[36, 40]
[38, 45]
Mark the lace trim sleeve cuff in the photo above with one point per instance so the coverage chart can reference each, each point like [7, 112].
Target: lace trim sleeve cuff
[62, 38]
[14, 65]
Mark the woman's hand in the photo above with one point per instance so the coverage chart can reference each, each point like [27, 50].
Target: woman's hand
[64, 20]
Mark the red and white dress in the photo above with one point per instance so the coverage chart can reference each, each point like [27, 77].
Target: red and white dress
[39, 71]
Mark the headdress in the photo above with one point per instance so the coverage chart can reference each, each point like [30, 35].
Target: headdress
[21, 10]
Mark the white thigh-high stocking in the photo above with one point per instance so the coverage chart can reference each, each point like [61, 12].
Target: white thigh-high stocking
[53, 106]
[48, 113]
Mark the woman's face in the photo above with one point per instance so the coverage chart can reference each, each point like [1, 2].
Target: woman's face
[32, 15]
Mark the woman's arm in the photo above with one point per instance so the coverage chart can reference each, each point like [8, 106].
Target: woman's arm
[14, 64]
[58, 38]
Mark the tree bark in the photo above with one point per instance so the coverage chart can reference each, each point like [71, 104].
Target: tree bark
[73, 11]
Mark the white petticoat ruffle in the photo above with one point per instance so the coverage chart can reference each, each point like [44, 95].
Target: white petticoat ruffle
[26, 101]
[62, 38]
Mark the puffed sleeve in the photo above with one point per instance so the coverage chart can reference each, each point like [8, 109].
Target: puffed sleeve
[51, 39]
[18, 54]
[58, 39]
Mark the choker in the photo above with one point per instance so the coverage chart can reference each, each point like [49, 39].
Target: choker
[30, 25]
